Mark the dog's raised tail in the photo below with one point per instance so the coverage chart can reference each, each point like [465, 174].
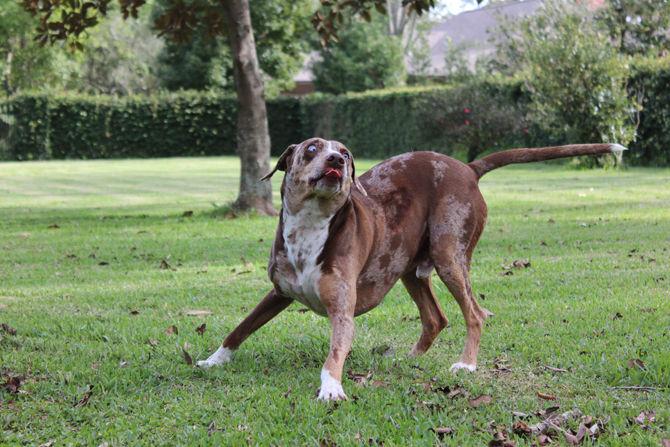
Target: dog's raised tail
[527, 155]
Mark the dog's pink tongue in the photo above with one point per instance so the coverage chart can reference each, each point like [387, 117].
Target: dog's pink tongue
[332, 173]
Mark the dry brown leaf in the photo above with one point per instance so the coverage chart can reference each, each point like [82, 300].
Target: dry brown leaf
[165, 266]
[187, 357]
[49, 443]
[359, 378]
[85, 398]
[543, 440]
[500, 440]
[13, 383]
[198, 313]
[545, 396]
[645, 418]
[481, 400]
[4, 327]
[521, 428]
[521, 263]
[441, 432]
[554, 369]
[635, 363]
[172, 330]
[152, 342]
[201, 329]
[53, 226]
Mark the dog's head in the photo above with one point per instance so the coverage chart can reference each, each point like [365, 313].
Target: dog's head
[317, 168]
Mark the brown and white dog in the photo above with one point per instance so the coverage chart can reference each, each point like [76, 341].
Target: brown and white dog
[343, 242]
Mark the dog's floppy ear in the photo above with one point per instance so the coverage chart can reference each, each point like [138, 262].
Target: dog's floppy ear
[282, 163]
[357, 184]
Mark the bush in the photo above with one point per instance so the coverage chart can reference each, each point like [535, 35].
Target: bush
[364, 58]
[575, 78]
[473, 118]
[464, 120]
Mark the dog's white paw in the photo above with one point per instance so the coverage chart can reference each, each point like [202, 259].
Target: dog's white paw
[330, 389]
[221, 356]
[460, 365]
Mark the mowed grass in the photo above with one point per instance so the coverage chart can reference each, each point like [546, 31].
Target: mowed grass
[82, 246]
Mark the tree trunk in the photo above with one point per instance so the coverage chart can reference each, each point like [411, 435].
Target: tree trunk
[253, 136]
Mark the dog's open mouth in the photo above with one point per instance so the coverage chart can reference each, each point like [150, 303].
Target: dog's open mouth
[330, 174]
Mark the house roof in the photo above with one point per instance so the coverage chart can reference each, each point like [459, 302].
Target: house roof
[471, 31]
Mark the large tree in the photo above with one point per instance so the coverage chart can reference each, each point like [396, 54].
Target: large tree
[69, 19]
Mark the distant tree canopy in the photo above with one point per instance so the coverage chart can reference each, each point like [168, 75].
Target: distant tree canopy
[203, 62]
[637, 26]
[573, 72]
[364, 57]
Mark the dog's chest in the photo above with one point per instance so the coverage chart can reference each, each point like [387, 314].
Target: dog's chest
[305, 233]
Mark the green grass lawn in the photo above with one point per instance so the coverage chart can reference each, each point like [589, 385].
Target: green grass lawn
[82, 246]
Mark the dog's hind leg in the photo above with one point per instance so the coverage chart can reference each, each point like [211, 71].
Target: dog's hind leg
[454, 232]
[268, 308]
[455, 276]
[433, 319]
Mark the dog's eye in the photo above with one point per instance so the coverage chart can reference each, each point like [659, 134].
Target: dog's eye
[311, 149]
[345, 155]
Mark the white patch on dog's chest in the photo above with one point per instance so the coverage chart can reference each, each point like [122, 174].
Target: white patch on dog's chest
[305, 233]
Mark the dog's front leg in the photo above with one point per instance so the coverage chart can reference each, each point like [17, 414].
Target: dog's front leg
[268, 308]
[340, 302]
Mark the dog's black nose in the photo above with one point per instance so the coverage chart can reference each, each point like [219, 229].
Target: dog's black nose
[336, 159]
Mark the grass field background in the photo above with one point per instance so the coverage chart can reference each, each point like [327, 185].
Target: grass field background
[98, 261]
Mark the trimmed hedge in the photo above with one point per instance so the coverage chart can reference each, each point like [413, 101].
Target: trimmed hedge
[651, 82]
[482, 116]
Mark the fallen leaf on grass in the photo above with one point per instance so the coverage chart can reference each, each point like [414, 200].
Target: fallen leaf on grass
[521, 428]
[554, 369]
[85, 398]
[645, 419]
[359, 378]
[134, 312]
[187, 357]
[187, 213]
[500, 440]
[481, 400]
[198, 313]
[211, 429]
[635, 363]
[545, 396]
[7, 329]
[453, 393]
[123, 364]
[521, 264]
[13, 383]
[152, 342]
[53, 226]
[577, 438]
[543, 440]
[172, 330]
[441, 432]
[49, 443]
[165, 266]
[201, 329]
